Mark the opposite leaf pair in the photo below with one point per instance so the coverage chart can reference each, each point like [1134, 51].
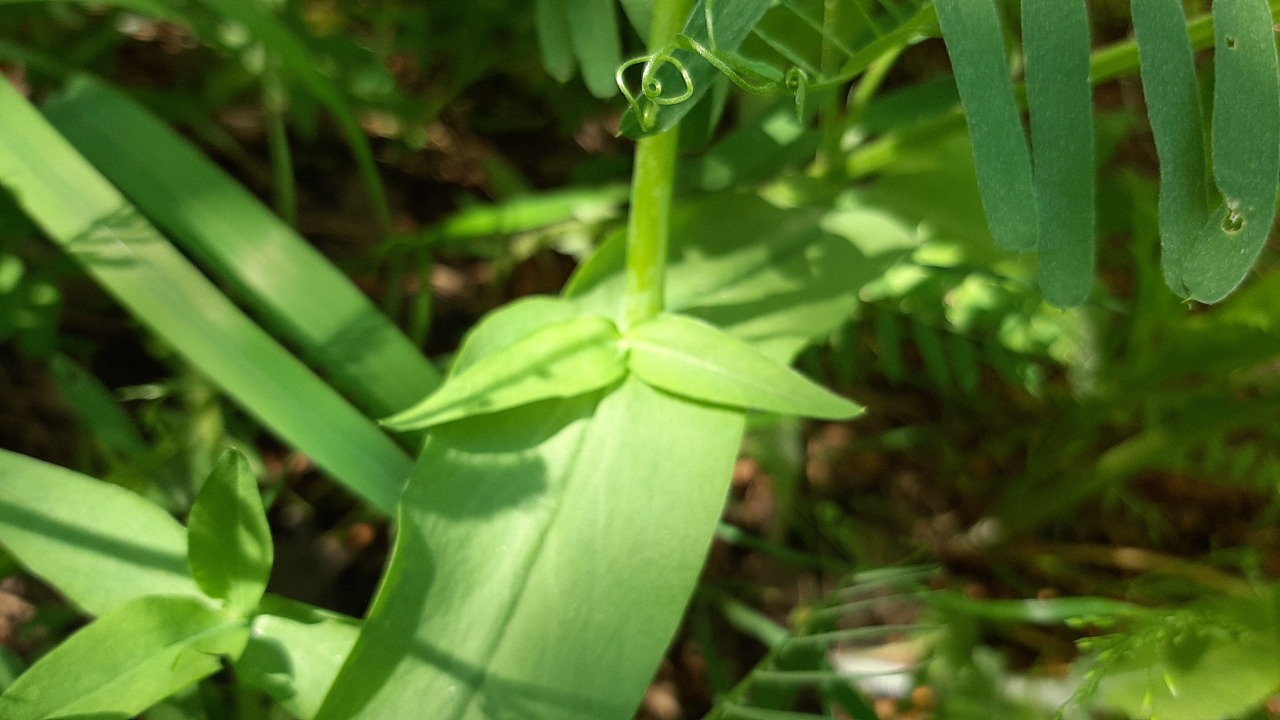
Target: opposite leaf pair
[584, 353]
[145, 650]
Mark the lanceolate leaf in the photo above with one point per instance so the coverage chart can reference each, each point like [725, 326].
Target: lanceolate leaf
[99, 544]
[230, 550]
[1173, 105]
[126, 661]
[976, 45]
[1060, 101]
[525, 539]
[299, 293]
[558, 361]
[1246, 149]
[695, 360]
[84, 214]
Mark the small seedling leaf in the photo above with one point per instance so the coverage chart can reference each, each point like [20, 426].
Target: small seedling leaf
[692, 359]
[126, 661]
[1246, 149]
[562, 360]
[230, 550]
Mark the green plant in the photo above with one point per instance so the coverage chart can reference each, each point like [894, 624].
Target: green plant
[576, 456]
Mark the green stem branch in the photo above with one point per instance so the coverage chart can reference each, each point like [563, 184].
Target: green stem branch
[648, 229]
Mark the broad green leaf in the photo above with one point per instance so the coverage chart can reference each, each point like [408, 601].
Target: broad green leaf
[699, 361]
[733, 23]
[126, 661]
[558, 361]
[976, 45]
[297, 292]
[774, 277]
[1060, 102]
[229, 541]
[553, 23]
[1196, 665]
[525, 539]
[510, 324]
[99, 544]
[1173, 105]
[1246, 149]
[593, 27]
[295, 652]
[89, 219]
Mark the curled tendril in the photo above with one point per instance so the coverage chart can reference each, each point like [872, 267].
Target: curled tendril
[651, 87]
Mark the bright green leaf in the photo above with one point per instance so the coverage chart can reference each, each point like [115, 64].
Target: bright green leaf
[298, 293]
[1060, 102]
[525, 539]
[1246, 149]
[99, 544]
[229, 540]
[562, 360]
[1173, 104]
[295, 652]
[776, 278]
[126, 661]
[89, 219]
[695, 360]
[976, 45]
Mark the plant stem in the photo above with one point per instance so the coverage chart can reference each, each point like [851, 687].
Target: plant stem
[648, 229]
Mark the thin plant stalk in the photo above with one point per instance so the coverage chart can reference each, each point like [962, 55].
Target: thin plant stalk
[651, 191]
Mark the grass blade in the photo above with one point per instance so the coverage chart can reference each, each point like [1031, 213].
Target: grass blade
[976, 44]
[91, 221]
[1060, 100]
[1173, 105]
[297, 292]
[1246, 149]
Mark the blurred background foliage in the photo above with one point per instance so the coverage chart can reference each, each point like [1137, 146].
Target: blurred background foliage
[1122, 450]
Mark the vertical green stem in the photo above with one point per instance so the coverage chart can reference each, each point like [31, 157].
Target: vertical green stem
[649, 225]
[832, 124]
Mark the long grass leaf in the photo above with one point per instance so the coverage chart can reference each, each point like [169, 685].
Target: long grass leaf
[976, 45]
[297, 292]
[1246, 149]
[1060, 101]
[92, 222]
[1173, 105]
